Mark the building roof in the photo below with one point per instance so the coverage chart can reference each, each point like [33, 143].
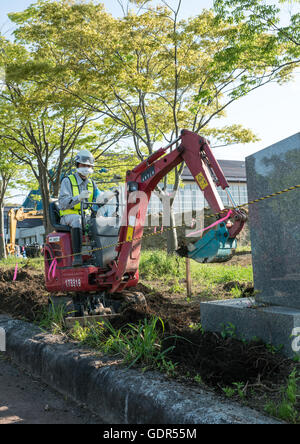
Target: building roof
[234, 171]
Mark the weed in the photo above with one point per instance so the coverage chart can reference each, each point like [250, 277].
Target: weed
[140, 343]
[274, 349]
[236, 292]
[157, 264]
[177, 287]
[198, 379]
[228, 330]
[229, 391]
[286, 408]
[79, 333]
[52, 318]
[197, 327]
[240, 388]
[92, 335]
[166, 366]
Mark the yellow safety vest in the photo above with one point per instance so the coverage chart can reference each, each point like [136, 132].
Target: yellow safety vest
[75, 190]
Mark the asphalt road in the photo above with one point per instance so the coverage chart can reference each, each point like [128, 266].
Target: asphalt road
[26, 400]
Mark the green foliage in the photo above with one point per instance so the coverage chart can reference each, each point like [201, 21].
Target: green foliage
[146, 74]
[10, 261]
[240, 386]
[198, 379]
[274, 349]
[261, 18]
[228, 330]
[238, 389]
[286, 408]
[229, 391]
[197, 327]
[52, 318]
[92, 335]
[177, 287]
[157, 263]
[135, 344]
[236, 292]
[78, 77]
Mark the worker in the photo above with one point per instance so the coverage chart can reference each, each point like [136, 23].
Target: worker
[77, 188]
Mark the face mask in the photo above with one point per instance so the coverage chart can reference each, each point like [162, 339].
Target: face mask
[84, 171]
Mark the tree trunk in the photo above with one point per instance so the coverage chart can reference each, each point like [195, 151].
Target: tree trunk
[46, 201]
[168, 220]
[172, 240]
[45, 193]
[2, 234]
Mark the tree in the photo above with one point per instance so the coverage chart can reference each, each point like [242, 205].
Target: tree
[5, 176]
[10, 175]
[42, 132]
[261, 18]
[150, 73]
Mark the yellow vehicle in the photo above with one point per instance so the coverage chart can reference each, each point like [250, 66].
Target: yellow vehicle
[13, 217]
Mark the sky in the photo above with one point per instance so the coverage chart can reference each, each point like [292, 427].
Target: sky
[271, 112]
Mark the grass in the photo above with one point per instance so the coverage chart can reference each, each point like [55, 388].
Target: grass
[135, 344]
[286, 408]
[243, 249]
[157, 264]
[52, 318]
[11, 261]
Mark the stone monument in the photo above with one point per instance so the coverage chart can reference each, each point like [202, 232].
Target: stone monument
[274, 314]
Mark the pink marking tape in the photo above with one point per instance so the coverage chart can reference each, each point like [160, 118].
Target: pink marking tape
[212, 225]
[16, 272]
[52, 268]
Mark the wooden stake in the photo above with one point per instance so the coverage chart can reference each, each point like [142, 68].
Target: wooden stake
[188, 277]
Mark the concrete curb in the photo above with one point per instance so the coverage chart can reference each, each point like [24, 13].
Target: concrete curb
[117, 395]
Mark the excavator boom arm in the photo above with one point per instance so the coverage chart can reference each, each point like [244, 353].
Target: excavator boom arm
[143, 179]
[13, 218]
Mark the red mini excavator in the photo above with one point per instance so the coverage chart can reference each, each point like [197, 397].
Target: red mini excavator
[111, 250]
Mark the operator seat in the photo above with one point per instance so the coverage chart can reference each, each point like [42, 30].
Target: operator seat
[55, 218]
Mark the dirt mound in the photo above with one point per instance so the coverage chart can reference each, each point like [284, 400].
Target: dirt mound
[24, 298]
[225, 361]
[174, 315]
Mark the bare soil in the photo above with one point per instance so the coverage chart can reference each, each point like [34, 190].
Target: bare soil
[201, 358]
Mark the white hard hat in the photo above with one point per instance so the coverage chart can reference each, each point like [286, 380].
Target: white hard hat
[85, 157]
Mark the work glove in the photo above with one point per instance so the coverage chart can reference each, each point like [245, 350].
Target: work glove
[85, 194]
[103, 198]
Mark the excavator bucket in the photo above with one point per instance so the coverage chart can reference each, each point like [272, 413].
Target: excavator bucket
[215, 246]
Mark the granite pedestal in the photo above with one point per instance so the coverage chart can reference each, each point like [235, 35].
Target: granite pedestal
[274, 223]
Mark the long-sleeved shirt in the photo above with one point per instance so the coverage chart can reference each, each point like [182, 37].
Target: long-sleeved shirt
[66, 200]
